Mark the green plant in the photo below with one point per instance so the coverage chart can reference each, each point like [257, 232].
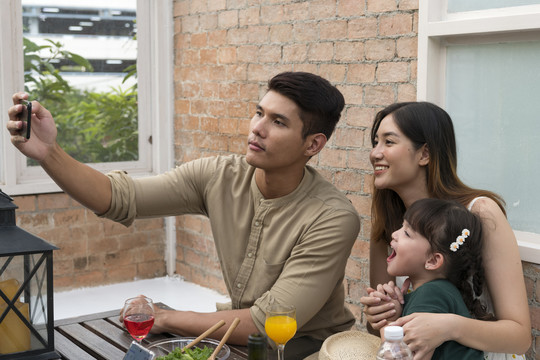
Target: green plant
[92, 126]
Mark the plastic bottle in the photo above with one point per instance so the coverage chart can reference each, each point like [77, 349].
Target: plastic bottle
[257, 347]
[393, 346]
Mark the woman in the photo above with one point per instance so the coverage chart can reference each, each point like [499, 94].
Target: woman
[414, 157]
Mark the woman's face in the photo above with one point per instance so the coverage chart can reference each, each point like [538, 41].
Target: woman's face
[396, 163]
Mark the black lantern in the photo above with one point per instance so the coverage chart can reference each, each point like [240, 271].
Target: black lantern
[26, 290]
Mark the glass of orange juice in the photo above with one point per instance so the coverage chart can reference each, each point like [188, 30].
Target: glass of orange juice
[280, 325]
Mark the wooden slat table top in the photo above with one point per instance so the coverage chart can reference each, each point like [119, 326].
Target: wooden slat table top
[101, 336]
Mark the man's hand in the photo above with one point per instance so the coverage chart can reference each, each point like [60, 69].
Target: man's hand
[43, 130]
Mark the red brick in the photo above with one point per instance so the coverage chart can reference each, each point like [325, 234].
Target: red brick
[332, 29]
[335, 73]
[380, 49]
[360, 116]
[349, 51]
[24, 203]
[407, 47]
[348, 8]
[348, 181]
[406, 92]
[321, 51]
[361, 73]
[396, 24]
[280, 33]
[359, 159]
[269, 54]
[379, 95]
[227, 55]
[381, 5]
[228, 19]
[392, 72]
[353, 269]
[180, 8]
[249, 16]
[363, 28]
[216, 5]
[122, 274]
[361, 250]
[53, 201]
[296, 11]
[333, 157]
[349, 137]
[362, 203]
[305, 32]
[271, 14]
[322, 9]
[354, 94]
[198, 40]
[217, 37]
[208, 56]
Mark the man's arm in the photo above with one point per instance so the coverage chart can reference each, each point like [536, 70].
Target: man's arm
[189, 323]
[86, 185]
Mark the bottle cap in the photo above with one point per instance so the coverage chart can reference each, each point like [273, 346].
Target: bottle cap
[393, 333]
[257, 339]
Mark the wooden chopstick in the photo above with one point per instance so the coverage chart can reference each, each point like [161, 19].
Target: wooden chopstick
[216, 326]
[225, 338]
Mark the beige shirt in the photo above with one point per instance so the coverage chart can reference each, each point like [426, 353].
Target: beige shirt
[290, 250]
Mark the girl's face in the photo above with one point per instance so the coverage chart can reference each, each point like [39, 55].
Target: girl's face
[410, 252]
[396, 163]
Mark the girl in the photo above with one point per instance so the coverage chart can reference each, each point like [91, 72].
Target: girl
[414, 157]
[439, 247]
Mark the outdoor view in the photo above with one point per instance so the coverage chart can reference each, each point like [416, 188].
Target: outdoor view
[80, 62]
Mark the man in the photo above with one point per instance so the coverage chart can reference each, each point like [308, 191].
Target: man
[283, 234]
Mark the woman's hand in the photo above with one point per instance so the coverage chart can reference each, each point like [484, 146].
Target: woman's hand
[424, 332]
[43, 131]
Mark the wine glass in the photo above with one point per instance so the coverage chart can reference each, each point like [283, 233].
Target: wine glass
[280, 325]
[138, 313]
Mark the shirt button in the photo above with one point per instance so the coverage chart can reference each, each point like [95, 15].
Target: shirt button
[239, 286]
[257, 223]
[250, 255]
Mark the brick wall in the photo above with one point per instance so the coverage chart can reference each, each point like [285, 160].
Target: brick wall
[92, 251]
[225, 51]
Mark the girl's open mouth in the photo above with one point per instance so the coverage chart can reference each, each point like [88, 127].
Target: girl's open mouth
[392, 256]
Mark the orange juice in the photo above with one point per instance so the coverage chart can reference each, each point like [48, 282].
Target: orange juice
[280, 328]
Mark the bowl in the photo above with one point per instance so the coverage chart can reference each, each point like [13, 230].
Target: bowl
[164, 347]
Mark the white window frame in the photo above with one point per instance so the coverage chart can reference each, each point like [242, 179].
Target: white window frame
[437, 29]
[155, 98]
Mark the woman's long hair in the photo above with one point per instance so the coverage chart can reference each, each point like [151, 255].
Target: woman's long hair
[455, 233]
[423, 123]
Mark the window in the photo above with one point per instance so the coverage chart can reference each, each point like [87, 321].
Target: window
[154, 70]
[477, 60]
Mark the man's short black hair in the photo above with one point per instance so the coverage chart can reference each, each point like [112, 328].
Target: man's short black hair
[320, 102]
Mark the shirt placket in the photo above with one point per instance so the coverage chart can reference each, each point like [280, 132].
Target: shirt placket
[242, 279]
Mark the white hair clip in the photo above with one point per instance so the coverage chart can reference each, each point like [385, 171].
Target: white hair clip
[460, 240]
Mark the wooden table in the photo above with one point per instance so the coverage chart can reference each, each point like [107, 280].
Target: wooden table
[101, 336]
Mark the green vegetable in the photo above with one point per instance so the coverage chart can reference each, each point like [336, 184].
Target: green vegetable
[189, 354]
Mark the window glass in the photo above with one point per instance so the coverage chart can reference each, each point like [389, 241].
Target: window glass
[468, 5]
[492, 95]
[80, 62]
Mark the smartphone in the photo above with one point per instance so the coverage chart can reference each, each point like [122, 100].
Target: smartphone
[26, 115]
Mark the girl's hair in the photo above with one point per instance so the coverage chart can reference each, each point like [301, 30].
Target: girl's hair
[422, 123]
[441, 222]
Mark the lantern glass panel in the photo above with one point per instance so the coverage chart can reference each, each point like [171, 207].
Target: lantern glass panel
[23, 294]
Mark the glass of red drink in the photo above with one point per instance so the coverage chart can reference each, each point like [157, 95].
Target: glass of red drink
[138, 314]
